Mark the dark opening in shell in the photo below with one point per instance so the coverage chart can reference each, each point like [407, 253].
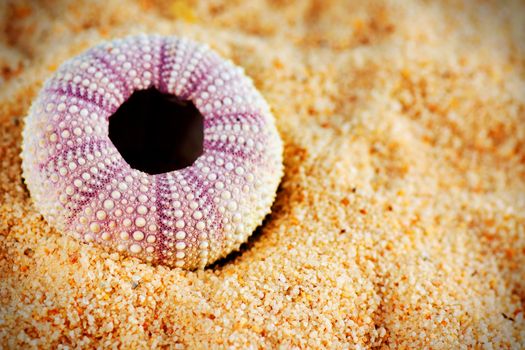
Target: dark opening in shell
[156, 132]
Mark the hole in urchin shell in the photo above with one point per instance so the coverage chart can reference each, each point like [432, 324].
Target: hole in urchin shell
[156, 132]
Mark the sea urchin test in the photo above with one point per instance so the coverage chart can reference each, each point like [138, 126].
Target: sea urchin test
[154, 147]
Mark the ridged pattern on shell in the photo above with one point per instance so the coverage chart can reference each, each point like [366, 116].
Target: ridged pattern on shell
[187, 218]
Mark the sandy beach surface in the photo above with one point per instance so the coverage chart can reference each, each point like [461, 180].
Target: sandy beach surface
[400, 220]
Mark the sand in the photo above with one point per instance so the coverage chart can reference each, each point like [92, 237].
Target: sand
[400, 221]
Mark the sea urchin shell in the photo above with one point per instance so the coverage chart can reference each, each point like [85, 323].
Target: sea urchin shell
[188, 217]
